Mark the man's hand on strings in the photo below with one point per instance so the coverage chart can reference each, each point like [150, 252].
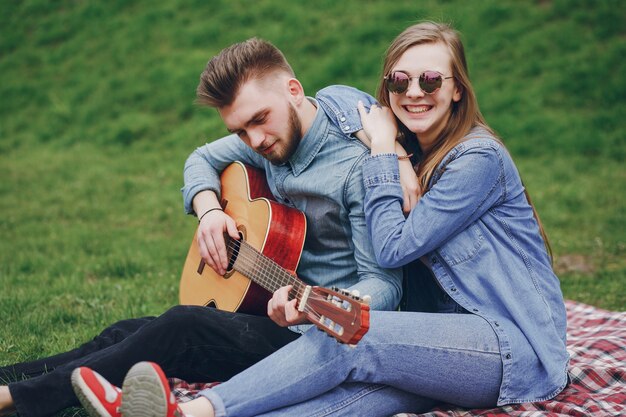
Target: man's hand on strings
[211, 239]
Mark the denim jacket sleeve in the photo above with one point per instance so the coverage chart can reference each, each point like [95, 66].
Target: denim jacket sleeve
[203, 166]
[471, 181]
[384, 285]
[339, 102]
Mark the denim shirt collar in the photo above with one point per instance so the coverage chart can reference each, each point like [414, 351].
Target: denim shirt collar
[311, 142]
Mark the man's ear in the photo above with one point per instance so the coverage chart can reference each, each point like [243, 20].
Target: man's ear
[296, 91]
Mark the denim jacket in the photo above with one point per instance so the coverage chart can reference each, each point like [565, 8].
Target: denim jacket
[476, 232]
[324, 180]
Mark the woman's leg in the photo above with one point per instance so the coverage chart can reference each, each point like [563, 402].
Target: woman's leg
[444, 357]
[358, 399]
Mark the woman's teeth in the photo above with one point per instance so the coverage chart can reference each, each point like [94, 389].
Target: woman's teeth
[417, 109]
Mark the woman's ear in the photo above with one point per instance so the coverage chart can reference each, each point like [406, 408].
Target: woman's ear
[458, 93]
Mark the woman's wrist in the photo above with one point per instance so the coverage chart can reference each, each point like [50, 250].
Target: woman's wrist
[383, 147]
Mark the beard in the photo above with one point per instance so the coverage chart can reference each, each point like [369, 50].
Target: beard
[292, 140]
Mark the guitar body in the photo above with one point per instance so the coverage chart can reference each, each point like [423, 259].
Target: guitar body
[275, 230]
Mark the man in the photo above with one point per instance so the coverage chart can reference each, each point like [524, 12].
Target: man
[310, 164]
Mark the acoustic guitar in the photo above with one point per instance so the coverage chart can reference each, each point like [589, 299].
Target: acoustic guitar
[264, 259]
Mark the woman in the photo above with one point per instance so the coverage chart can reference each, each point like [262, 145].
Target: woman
[490, 323]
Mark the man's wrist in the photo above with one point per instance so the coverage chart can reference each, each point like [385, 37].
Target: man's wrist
[207, 212]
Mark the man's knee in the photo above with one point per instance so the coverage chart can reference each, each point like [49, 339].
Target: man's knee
[182, 318]
[182, 314]
[121, 330]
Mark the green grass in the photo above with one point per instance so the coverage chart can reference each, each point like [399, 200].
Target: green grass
[97, 117]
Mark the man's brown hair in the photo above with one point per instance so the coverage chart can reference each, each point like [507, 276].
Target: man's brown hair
[226, 72]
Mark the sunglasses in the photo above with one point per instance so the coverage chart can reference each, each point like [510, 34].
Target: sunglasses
[429, 81]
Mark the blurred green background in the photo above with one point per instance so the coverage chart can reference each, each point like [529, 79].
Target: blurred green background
[97, 117]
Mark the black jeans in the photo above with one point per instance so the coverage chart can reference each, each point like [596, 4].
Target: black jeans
[197, 344]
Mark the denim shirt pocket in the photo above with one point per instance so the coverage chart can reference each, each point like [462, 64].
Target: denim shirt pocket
[339, 102]
[463, 246]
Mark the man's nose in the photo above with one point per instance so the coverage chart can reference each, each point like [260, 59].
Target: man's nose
[257, 137]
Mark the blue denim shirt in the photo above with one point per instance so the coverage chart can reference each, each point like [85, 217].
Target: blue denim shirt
[476, 232]
[324, 180]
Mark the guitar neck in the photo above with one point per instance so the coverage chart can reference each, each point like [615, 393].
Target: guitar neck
[262, 270]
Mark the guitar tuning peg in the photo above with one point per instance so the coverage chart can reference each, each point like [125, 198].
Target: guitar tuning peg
[355, 294]
[367, 299]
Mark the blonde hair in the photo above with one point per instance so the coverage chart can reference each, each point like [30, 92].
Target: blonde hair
[464, 114]
[226, 72]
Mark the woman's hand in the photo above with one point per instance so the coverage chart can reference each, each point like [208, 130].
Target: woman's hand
[380, 127]
[379, 134]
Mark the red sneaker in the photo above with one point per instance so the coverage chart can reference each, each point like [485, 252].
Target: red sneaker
[99, 397]
[147, 393]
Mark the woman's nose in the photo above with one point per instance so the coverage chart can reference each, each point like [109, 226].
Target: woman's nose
[414, 89]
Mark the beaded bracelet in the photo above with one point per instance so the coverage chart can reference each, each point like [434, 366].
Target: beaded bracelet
[208, 211]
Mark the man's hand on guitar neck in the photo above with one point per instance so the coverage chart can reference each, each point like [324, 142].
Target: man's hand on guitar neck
[213, 224]
[283, 311]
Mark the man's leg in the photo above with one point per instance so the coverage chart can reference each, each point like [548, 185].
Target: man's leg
[197, 344]
[109, 336]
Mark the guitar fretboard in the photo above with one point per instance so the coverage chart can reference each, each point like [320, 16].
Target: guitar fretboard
[261, 269]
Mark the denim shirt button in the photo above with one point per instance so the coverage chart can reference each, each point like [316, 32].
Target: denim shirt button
[508, 356]
[453, 289]
[346, 128]
[343, 119]
[433, 260]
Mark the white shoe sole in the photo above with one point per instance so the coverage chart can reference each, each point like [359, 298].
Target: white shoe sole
[142, 393]
[90, 402]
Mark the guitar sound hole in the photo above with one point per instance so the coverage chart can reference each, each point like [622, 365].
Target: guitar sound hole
[232, 256]
[233, 252]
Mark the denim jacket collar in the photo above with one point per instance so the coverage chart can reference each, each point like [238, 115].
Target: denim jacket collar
[312, 141]
[475, 132]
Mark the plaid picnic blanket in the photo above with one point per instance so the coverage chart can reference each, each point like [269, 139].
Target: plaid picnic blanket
[596, 341]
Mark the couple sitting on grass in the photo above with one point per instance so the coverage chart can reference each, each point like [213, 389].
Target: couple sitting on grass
[485, 324]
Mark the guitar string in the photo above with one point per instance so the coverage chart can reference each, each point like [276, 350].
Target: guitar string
[266, 273]
[258, 264]
[274, 268]
[262, 260]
